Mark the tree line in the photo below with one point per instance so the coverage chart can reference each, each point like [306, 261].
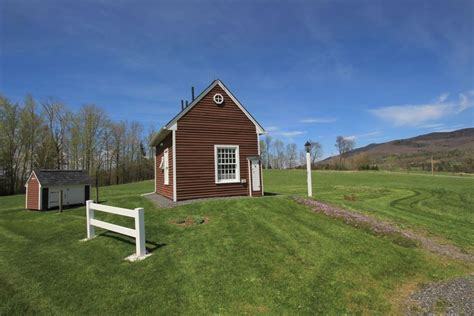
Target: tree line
[48, 135]
[275, 154]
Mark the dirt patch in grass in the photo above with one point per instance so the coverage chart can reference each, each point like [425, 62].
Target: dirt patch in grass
[403, 237]
[190, 220]
[351, 197]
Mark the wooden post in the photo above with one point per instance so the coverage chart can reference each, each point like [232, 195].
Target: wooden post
[89, 216]
[97, 189]
[140, 229]
[60, 201]
[308, 170]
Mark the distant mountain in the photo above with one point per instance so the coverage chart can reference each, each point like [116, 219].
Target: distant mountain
[452, 151]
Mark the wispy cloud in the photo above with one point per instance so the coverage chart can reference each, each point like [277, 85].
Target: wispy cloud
[318, 120]
[272, 129]
[363, 135]
[417, 115]
[292, 133]
[288, 134]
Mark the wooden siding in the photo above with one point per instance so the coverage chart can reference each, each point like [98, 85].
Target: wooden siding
[32, 197]
[161, 188]
[205, 125]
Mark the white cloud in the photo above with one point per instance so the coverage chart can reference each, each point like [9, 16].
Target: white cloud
[318, 120]
[364, 135]
[290, 134]
[433, 126]
[276, 131]
[421, 114]
[271, 128]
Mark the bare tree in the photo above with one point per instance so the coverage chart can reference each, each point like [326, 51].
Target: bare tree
[316, 151]
[57, 121]
[93, 120]
[268, 150]
[291, 155]
[10, 143]
[279, 157]
[344, 145]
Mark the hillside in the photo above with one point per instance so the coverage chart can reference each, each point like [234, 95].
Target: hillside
[452, 151]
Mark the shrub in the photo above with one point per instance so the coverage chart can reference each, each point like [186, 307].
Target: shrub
[198, 219]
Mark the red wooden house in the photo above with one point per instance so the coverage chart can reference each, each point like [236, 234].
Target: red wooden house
[210, 149]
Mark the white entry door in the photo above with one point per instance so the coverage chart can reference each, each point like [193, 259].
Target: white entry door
[255, 175]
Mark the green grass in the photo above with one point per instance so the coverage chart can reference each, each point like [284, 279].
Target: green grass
[261, 255]
[440, 206]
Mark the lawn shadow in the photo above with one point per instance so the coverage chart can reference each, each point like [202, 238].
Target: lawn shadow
[270, 193]
[154, 245]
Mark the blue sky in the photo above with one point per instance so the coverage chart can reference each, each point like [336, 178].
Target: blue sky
[369, 70]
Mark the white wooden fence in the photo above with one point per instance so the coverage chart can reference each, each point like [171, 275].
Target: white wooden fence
[138, 233]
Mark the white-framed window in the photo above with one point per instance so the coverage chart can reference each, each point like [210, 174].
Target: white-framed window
[227, 163]
[218, 98]
[166, 169]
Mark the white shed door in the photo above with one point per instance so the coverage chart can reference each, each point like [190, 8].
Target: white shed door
[53, 197]
[255, 175]
[73, 195]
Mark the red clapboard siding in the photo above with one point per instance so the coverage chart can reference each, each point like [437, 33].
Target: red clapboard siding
[161, 188]
[204, 126]
[32, 197]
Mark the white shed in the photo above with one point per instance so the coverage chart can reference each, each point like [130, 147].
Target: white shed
[44, 186]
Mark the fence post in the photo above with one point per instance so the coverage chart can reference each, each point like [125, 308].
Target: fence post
[140, 229]
[89, 216]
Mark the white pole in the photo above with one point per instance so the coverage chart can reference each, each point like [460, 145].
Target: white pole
[308, 170]
[89, 216]
[140, 229]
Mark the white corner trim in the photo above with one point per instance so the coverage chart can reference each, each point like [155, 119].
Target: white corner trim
[173, 127]
[32, 173]
[175, 197]
[155, 168]
[250, 177]
[261, 165]
[237, 170]
[40, 197]
[26, 200]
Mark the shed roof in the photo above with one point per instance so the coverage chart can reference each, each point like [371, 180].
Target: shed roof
[53, 177]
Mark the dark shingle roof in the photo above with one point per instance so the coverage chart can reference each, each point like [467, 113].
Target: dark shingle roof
[52, 177]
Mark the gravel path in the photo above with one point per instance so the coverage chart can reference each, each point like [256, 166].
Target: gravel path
[381, 227]
[455, 297]
[164, 202]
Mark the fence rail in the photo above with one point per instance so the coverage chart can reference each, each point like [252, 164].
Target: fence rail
[138, 233]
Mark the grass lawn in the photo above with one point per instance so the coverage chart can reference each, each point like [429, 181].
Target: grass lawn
[261, 255]
[440, 206]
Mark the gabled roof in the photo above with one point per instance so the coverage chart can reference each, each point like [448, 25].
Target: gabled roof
[53, 177]
[158, 137]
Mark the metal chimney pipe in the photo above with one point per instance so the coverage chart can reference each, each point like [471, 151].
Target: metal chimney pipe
[182, 104]
[187, 103]
[192, 93]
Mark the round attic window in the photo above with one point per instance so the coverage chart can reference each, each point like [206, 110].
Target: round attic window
[218, 98]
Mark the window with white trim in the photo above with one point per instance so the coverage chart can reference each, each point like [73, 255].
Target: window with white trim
[227, 164]
[166, 169]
